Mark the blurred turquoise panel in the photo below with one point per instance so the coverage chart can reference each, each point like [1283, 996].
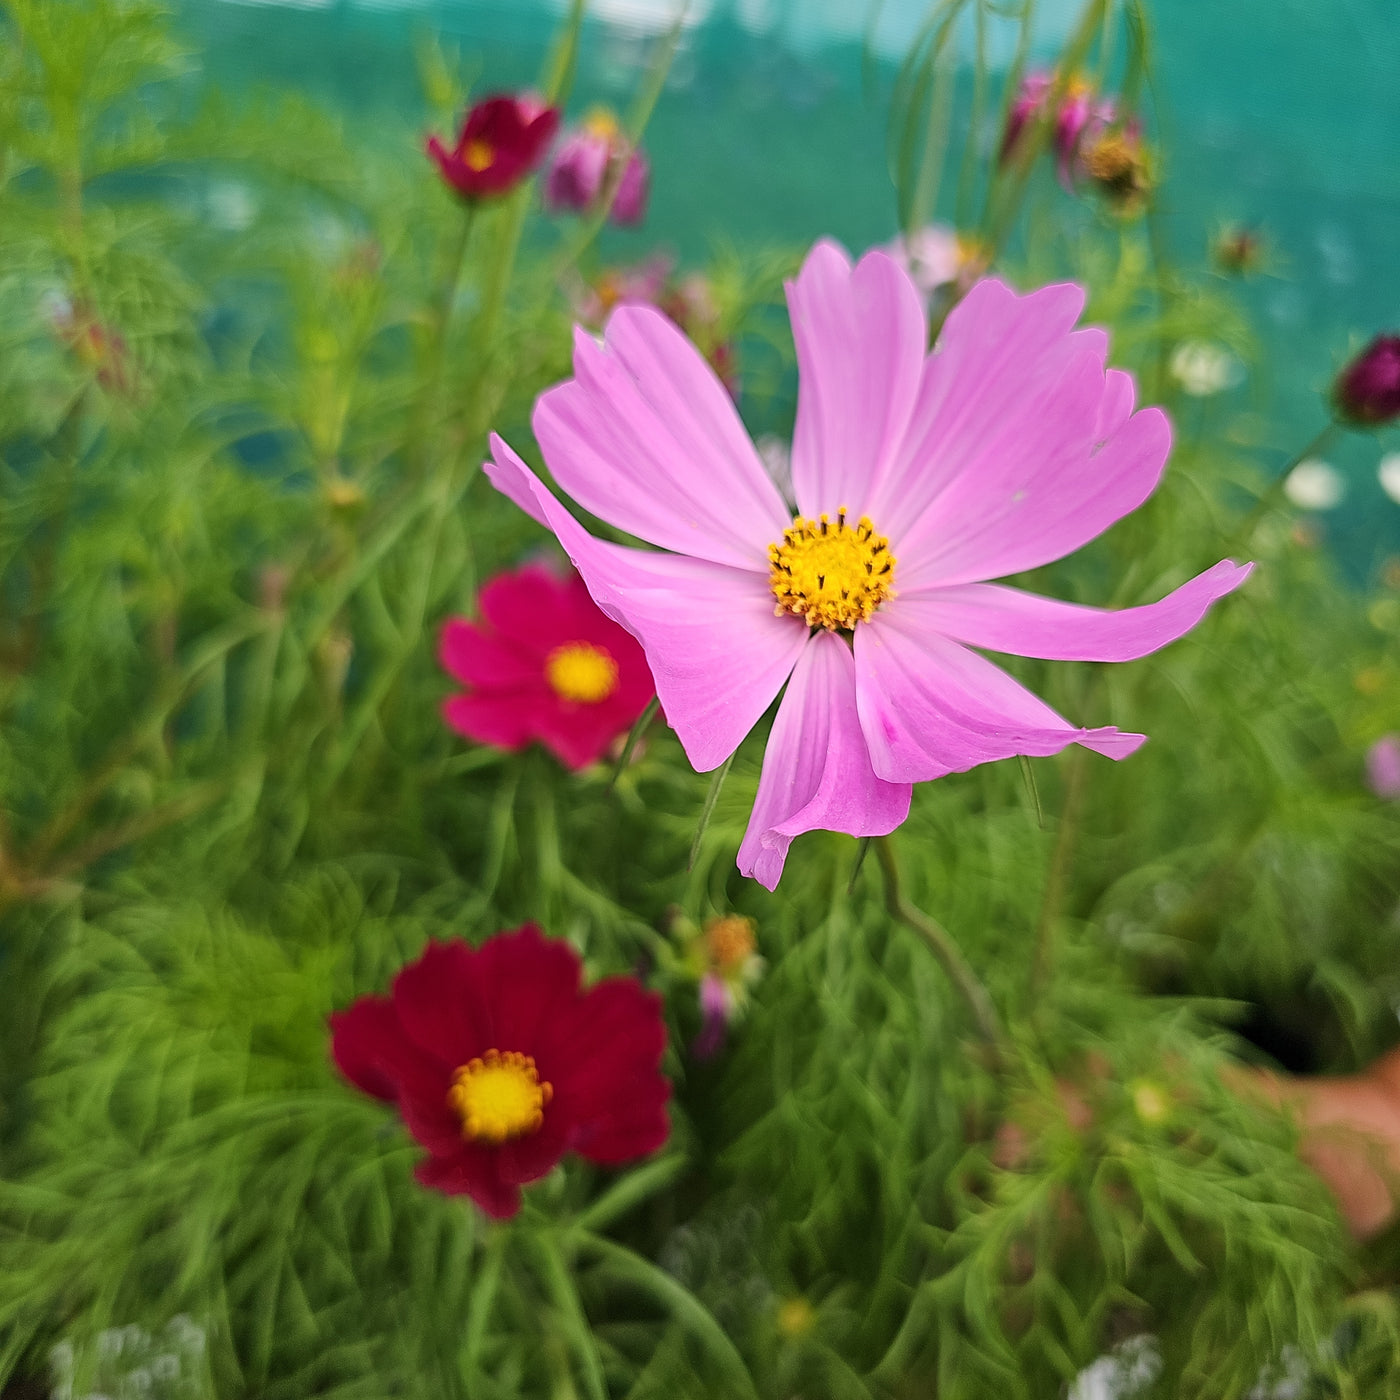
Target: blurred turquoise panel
[1275, 113]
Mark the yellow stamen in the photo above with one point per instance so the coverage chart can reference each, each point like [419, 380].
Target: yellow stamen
[730, 941]
[478, 155]
[602, 123]
[499, 1096]
[581, 672]
[829, 573]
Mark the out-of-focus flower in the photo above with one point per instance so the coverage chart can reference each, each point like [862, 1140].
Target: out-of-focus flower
[589, 160]
[916, 477]
[724, 956]
[1026, 106]
[502, 140]
[1367, 391]
[100, 350]
[500, 1063]
[1238, 250]
[1203, 368]
[1388, 474]
[1115, 164]
[1383, 767]
[795, 1317]
[688, 301]
[938, 256]
[1314, 485]
[543, 664]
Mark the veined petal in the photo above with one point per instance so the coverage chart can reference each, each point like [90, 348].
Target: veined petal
[1026, 624]
[995, 348]
[647, 438]
[816, 769]
[861, 337]
[929, 707]
[717, 653]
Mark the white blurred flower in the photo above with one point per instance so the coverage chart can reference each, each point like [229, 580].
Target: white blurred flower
[1389, 474]
[1202, 368]
[1126, 1371]
[936, 255]
[1314, 485]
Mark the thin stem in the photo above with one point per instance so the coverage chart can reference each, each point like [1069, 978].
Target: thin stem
[958, 970]
[1273, 494]
[1057, 877]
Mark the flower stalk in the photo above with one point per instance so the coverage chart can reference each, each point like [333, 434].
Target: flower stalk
[950, 958]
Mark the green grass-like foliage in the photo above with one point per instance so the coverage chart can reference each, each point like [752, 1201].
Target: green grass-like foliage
[244, 393]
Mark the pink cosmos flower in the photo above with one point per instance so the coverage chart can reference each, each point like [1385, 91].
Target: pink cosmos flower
[1383, 767]
[543, 664]
[586, 158]
[917, 476]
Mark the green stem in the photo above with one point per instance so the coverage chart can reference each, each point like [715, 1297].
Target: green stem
[438, 327]
[1057, 877]
[956, 967]
[1273, 494]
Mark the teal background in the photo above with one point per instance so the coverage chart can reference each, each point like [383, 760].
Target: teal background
[772, 127]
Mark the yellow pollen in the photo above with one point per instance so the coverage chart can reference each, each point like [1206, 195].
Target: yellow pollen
[602, 123]
[581, 672]
[730, 941]
[830, 573]
[499, 1096]
[479, 154]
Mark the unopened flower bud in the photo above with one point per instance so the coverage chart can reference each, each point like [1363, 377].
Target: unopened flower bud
[1367, 392]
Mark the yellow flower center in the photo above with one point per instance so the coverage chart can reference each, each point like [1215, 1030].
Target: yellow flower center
[730, 941]
[831, 573]
[479, 154]
[499, 1096]
[581, 672]
[602, 123]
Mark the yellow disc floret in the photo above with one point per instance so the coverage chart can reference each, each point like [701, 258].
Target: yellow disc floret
[829, 573]
[499, 1096]
[581, 672]
[479, 155]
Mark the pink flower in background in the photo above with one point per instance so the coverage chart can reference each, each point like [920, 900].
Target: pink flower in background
[1026, 106]
[543, 664]
[938, 256]
[916, 477]
[1383, 767]
[587, 158]
[502, 140]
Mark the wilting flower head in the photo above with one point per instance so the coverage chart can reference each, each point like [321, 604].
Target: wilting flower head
[724, 955]
[99, 349]
[590, 157]
[502, 140]
[937, 256]
[1367, 392]
[1383, 767]
[499, 1063]
[1115, 163]
[1238, 250]
[916, 477]
[543, 663]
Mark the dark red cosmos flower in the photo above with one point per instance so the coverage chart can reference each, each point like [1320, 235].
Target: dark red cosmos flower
[500, 1064]
[503, 139]
[544, 663]
[1367, 391]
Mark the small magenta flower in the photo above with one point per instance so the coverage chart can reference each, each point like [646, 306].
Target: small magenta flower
[1026, 107]
[587, 159]
[1383, 767]
[916, 477]
[544, 664]
[502, 140]
[499, 1063]
[1367, 392]
[724, 955]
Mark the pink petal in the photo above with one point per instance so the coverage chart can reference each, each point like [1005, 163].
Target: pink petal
[816, 769]
[929, 707]
[502, 719]
[1119, 395]
[861, 339]
[1006, 619]
[716, 651]
[646, 437]
[994, 346]
[476, 657]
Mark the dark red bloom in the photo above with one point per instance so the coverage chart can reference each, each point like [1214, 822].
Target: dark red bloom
[544, 663]
[1367, 391]
[500, 1064]
[503, 139]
